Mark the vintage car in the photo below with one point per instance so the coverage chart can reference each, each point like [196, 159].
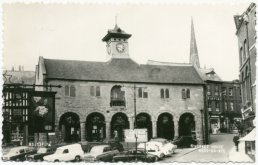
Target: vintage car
[113, 143]
[72, 152]
[18, 153]
[42, 151]
[132, 156]
[151, 148]
[103, 153]
[185, 142]
[167, 146]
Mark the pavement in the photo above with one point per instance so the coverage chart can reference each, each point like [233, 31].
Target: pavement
[239, 156]
[221, 149]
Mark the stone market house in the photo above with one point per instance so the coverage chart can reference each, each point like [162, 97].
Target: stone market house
[98, 99]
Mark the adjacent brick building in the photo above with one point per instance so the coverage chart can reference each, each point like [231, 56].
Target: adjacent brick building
[246, 34]
[98, 99]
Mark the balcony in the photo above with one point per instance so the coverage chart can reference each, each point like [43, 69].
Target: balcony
[117, 102]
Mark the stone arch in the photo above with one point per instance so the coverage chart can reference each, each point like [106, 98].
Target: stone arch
[69, 124]
[95, 127]
[119, 122]
[143, 120]
[165, 126]
[187, 124]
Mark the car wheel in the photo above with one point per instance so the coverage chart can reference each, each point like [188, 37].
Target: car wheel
[77, 158]
[156, 159]
[17, 160]
[56, 160]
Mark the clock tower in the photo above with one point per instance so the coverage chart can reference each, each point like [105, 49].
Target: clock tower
[117, 43]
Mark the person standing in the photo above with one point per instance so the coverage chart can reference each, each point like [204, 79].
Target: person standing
[236, 141]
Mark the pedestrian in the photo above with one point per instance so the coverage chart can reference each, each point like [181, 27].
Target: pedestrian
[236, 141]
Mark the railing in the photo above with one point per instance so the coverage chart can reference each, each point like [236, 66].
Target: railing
[117, 102]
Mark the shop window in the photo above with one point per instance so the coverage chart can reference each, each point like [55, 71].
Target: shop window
[162, 93]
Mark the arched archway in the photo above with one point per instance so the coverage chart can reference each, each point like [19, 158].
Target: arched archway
[69, 124]
[186, 124]
[95, 127]
[143, 120]
[165, 126]
[119, 122]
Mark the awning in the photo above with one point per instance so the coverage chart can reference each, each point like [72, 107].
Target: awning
[250, 136]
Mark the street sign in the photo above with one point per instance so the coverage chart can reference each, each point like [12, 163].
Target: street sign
[133, 135]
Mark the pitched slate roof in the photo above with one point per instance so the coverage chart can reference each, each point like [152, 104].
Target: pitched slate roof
[208, 74]
[120, 70]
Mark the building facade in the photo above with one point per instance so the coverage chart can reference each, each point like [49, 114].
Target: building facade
[15, 106]
[246, 34]
[231, 107]
[98, 100]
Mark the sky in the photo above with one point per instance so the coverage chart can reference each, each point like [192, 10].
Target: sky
[159, 32]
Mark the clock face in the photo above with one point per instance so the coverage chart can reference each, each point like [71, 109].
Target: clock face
[108, 48]
[120, 47]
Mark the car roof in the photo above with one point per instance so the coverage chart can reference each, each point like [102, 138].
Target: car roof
[102, 146]
[70, 145]
[158, 140]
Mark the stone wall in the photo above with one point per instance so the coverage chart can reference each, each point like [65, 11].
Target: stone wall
[84, 104]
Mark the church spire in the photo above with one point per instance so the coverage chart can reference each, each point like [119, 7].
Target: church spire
[194, 58]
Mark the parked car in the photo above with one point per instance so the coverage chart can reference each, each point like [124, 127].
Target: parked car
[113, 143]
[103, 153]
[66, 153]
[185, 142]
[18, 153]
[167, 146]
[151, 148]
[132, 155]
[42, 151]
[6, 147]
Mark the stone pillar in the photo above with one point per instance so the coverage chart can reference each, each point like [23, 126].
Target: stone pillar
[176, 127]
[199, 132]
[131, 123]
[108, 130]
[83, 131]
[154, 128]
[63, 131]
